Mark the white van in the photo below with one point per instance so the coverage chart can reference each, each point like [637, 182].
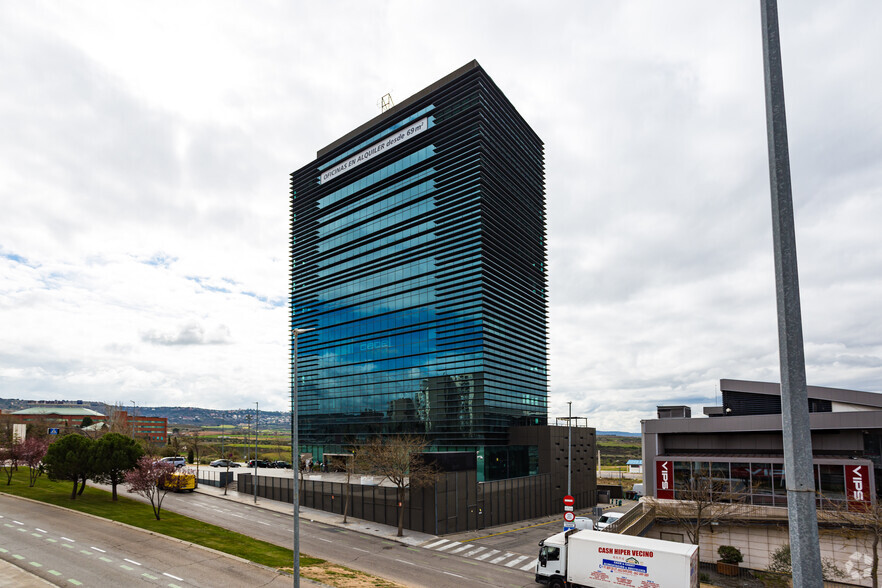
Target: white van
[176, 461]
[606, 519]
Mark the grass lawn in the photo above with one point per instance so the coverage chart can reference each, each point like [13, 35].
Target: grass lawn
[138, 514]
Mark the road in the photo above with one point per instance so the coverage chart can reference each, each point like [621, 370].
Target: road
[444, 565]
[68, 548]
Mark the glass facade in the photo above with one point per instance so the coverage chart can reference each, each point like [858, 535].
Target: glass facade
[418, 257]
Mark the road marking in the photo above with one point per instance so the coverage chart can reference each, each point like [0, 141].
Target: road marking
[449, 546]
[66, 545]
[232, 514]
[66, 539]
[463, 548]
[149, 577]
[3, 550]
[486, 555]
[22, 529]
[35, 564]
[327, 540]
[516, 561]
[41, 530]
[17, 556]
[131, 561]
[437, 543]
[16, 522]
[126, 568]
[262, 523]
[456, 575]
[364, 550]
[54, 573]
[37, 535]
[174, 577]
[105, 559]
[8, 525]
[501, 557]
[85, 552]
[96, 549]
[174, 585]
[51, 540]
[404, 561]
[529, 566]
[74, 582]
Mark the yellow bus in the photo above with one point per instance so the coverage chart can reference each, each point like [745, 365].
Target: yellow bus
[180, 482]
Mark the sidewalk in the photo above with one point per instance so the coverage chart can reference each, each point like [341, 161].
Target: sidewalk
[12, 575]
[389, 532]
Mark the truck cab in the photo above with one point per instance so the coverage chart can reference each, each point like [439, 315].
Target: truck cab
[551, 569]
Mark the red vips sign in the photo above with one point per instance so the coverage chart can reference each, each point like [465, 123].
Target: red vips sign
[664, 479]
[857, 487]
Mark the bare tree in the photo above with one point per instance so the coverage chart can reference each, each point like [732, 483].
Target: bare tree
[398, 459]
[10, 455]
[32, 453]
[701, 502]
[349, 463]
[861, 520]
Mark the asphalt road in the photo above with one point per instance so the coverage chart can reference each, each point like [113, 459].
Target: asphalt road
[430, 567]
[67, 548]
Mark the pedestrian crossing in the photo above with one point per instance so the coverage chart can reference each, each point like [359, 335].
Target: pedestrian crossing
[485, 554]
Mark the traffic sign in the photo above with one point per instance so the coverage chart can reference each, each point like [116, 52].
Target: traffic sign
[568, 508]
[53, 431]
[568, 526]
[569, 500]
[569, 516]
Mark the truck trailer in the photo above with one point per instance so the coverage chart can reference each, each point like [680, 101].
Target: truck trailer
[596, 559]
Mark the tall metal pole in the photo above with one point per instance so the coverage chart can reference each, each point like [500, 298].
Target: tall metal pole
[223, 453]
[133, 420]
[804, 543]
[256, 433]
[295, 454]
[569, 450]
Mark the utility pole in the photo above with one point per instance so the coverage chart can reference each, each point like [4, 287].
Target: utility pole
[133, 420]
[570, 450]
[796, 428]
[256, 434]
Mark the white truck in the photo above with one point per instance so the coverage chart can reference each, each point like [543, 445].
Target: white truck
[598, 559]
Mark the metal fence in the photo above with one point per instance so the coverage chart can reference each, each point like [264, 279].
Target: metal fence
[747, 578]
[215, 478]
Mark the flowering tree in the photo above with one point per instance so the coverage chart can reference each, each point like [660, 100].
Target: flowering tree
[10, 455]
[150, 479]
[32, 453]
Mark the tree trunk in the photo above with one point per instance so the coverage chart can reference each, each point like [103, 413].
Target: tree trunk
[82, 487]
[875, 571]
[113, 486]
[73, 493]
[400, 511]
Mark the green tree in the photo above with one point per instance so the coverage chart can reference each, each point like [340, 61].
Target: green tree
[87, 422]
[114, 455]
[70, 458]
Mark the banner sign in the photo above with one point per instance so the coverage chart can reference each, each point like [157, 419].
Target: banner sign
[857, 486]
[398, 137]
[664, 479]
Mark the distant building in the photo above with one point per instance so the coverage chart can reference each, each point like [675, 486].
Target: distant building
[635, 466]
[68, 417]
[741, 443]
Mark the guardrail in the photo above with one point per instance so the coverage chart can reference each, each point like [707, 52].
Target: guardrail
[635, 521]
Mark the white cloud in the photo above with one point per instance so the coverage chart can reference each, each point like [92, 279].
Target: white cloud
[144, 165]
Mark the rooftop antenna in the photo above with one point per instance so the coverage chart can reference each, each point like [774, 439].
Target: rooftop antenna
[385, 102]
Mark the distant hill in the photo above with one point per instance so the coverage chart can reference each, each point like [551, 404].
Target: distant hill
[618, 433]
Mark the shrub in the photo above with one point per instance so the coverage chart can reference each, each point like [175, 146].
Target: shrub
[730, 554]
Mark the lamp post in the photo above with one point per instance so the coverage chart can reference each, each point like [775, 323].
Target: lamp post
[569, 449]
[295, 454]
[256, 433]
[133, 420]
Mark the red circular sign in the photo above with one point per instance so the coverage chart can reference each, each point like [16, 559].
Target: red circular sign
[569, 516]
[569, 500]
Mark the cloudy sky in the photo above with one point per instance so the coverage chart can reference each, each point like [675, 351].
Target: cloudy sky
[145, 150]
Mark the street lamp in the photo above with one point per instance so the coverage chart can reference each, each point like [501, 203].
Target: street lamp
[256, 433]
[133, 420]
[569, 449]
[295, 456]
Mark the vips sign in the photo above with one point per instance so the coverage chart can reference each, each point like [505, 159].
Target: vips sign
[664, 479]
[857, 486]
[401, 136]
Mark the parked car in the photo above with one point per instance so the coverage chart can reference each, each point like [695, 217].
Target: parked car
[261, 463]
[176, 461]
[281, 464]
[606, 519]
[224, 463]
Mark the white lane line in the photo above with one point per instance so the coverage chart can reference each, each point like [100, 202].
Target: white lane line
[96, 549]
[463, 548]
[16, 522]
[449, 546]
[436, 544]
[501, 557]
[474, 551]
[515, 562]
[404, 561]
[364, 550]
[41, 530]
[529, 566]
[486, 555]
[66, 539]
[327, 540]
[131, 561]
[456, 575]
[173, 577]
[262, 523]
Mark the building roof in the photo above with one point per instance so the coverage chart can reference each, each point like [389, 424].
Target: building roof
[871, 400]
[60, 411]
[634, 462]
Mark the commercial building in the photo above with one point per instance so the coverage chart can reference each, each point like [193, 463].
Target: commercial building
[742, 446]
[62, 418]
[418, 258]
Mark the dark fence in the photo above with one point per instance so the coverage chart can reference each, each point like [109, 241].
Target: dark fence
[457, 502]
[215, 478]
[747, 578]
